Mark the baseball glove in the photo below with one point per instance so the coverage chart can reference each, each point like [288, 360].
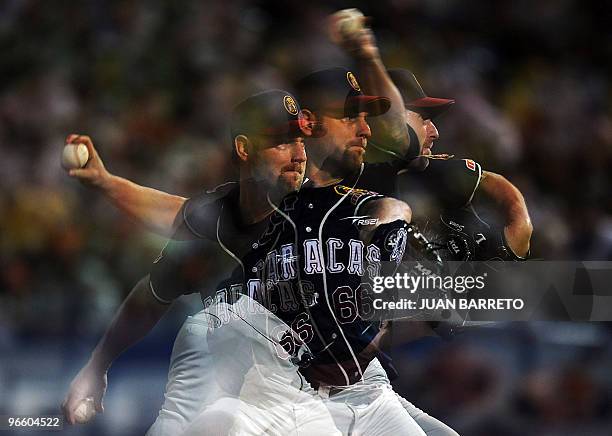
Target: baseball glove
[461, 235]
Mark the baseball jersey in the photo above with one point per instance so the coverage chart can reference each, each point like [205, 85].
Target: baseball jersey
[321, 284]
[450, 183]
[308, 267]
[323, 274]
[194, 261]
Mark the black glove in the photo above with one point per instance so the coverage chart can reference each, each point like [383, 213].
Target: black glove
[461, 235]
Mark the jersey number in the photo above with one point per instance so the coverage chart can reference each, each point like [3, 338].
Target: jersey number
[353, 303]
[300, 333]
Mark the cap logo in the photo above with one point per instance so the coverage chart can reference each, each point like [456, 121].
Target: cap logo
[352, 80]
[290, 105]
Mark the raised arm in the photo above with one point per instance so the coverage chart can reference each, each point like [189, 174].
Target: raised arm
[388, 130]
[510, 203]
[136, 317]
[156, 210]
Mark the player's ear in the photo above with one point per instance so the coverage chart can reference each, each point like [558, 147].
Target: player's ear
[313, 125]
[307, 121]
[241, 146]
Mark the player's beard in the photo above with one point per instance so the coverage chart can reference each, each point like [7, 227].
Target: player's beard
[344, 164]
[352, 159]
[353, 155]
[290, 179]
[338, 161]
[426, 150]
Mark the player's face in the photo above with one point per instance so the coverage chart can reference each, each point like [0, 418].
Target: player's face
[346, 140]
[279, 166]
[425, 130]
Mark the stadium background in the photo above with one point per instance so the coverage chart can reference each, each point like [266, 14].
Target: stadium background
[153, 81]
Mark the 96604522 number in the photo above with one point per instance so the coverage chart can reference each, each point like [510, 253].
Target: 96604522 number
[34, 422]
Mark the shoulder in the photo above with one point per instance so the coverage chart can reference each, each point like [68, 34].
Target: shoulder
[452, 167]
[200, 213]
[391, 167]
[354, 193]
[453, 181]
[381, 177]
[355, 196]
[212, 195]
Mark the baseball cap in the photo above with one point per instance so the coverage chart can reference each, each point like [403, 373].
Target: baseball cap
[273, 113]
[415, 98]
[337, 93]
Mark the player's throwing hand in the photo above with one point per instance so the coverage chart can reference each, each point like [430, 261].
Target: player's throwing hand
[93, 173]
[90, 382]
[348, 28]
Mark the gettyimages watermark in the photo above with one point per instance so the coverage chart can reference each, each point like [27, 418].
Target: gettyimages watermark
[419, 281]
[491, 291]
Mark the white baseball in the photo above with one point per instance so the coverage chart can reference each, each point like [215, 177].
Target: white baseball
[74, 156]
[85, 410]
[350, 22]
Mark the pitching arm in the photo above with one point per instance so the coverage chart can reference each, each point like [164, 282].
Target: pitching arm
[390, 128]
[511, 204]
[156, 210]
[136, 317]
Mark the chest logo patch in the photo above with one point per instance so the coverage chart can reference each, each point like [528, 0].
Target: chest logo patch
[355, 194]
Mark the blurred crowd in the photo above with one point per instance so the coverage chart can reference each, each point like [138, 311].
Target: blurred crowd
[152, 82]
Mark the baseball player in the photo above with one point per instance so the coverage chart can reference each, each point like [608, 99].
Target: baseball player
[336, 172]
[269, 147]
[358, 390]
[327, 96]
[452, 183]
[330, 263]
[370, 175]
[463, 179]
[204, 224]
[329, 169]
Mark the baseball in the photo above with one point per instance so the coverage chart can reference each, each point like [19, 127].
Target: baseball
[85, 410]
[74, 156]
[349, 22]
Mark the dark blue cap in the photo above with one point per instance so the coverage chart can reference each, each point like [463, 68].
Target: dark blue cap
[336, 92]
[273, 113]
